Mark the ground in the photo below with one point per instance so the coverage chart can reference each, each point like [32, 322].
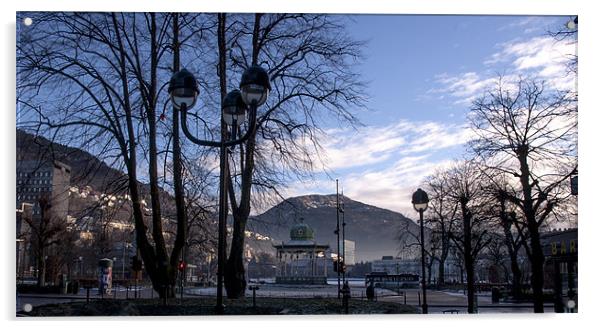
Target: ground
[205, 306]
[289, 299]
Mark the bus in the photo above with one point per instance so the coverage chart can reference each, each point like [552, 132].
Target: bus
[388, 281]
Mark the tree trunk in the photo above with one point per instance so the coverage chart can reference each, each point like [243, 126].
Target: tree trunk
[443, 258]
[236, 282]
[537, 257]
[441, 272]
[468, 259]
[41, 269]
[513, 253]
[516, 277]
[537, 270]
[470, 286]
[430, 273]
[164, 282]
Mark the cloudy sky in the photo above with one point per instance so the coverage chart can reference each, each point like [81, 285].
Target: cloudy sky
[423, 73]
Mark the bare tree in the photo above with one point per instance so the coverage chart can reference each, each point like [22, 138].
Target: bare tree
[310, 62]
[529, 133]
[496, 257]
[464, 185]
[568, 31]
[513, 241]
[46, 231]
[94, 79]
[441, 212]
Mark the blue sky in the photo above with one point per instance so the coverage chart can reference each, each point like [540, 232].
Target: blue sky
[423, 71]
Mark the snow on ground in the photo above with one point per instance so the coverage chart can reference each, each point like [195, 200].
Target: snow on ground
[307, 291]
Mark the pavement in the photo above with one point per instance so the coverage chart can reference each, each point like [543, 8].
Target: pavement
[456, 302]
[118, 293]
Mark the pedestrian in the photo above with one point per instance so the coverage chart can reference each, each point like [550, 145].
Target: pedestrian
[370, 291]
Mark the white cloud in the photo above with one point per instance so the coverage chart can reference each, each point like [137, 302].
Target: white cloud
[464, 87]
[382, 166]
[527, 24]
[542, 57]
[346, 148]
[392, 188]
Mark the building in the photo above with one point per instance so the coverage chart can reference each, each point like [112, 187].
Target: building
[37, 179]
[301, 260]
[560, 251]
[349, 256]
[392, 265]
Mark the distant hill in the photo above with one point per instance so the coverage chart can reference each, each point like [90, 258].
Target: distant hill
[87, 170]
[90, 177]
[373, 229]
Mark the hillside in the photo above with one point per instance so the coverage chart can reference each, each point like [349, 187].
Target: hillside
[373, 229]
[87, 170]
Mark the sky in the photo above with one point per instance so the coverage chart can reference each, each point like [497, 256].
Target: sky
[423, 71]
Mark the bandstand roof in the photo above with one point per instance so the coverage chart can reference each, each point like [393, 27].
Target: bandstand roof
[302, 238]
[301, 244]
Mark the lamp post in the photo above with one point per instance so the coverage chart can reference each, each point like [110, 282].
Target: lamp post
[24, 211]
[337, 232]
[126, 245]
[254, 90]
[19, 262]
[81, 266]
[420, 201]
[572, 24]
[342, 211]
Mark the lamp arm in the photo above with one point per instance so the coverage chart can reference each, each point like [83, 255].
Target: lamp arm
[189, 135]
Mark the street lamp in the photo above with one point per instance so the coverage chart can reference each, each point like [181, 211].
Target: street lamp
[572, 24]
[420, 201]
[183, 89]
[254, 90]
[343, 224]
[337, 232]
[19, 262]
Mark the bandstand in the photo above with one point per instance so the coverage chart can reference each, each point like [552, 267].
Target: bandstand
[301, 260]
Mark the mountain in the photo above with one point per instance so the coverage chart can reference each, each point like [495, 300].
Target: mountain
[87, 170]
[373, 229]
[91, 178]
